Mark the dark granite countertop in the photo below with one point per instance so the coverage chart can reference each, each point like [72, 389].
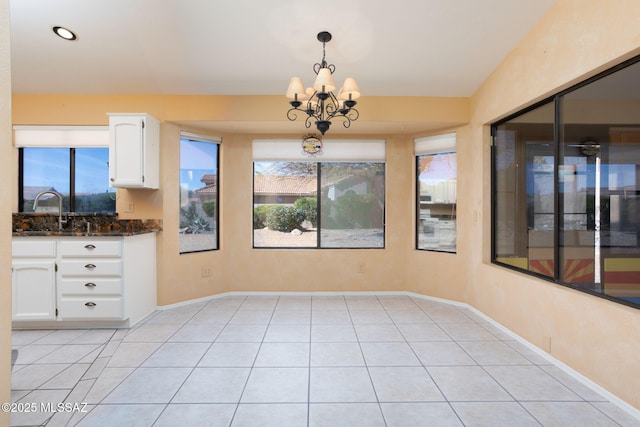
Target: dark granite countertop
[79, 224]
[78, 233]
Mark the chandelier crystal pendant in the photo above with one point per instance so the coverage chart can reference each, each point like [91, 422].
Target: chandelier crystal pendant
[319, 103]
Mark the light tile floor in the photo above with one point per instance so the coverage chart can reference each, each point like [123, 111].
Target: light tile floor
[300, 360]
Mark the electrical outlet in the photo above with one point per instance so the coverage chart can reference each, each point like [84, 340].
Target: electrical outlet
[206, 272]
[127, 207]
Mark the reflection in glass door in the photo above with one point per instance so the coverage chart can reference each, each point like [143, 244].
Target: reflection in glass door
[580, 218]
[599, 183]
[541, 212]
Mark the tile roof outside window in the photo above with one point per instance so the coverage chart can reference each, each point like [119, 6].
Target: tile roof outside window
[284, 185]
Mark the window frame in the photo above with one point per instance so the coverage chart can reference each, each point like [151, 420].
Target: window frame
[72, 181]
[318, 178]
[431, 146]
[558, 128]
[354, 151]
[217, 141]
[66, 137]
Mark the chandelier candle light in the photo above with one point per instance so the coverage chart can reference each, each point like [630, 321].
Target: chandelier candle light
[319, 102]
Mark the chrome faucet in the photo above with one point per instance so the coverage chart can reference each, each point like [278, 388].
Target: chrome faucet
[59, 196]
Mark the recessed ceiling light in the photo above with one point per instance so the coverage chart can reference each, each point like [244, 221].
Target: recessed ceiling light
[64, 33]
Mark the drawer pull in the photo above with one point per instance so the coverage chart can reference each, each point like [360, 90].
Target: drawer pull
[90, 266]
[89, 247]
[90, 285]
[90, 304]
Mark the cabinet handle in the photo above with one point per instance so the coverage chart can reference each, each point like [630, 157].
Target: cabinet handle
[90, 266]
[89, 246]
[90, 304]
[90, 285]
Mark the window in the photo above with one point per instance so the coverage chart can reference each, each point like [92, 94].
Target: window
[71, 161]
[352, 205]
[304, 203]
[566, 188]
[199, 185]
[436, 174]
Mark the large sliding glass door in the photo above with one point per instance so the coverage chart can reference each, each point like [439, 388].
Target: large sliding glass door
[566, 188]
[600, 154]
[524, 191]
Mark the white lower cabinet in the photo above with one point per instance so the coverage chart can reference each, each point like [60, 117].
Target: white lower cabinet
[34, 296]
[34, 280]
[98, 279]
[90, 284]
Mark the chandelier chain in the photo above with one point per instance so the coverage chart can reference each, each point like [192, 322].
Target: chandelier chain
[317, 66]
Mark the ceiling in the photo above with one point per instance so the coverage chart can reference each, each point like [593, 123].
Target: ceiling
[238, 47]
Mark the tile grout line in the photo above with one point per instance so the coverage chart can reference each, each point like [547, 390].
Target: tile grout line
[251, 368]
[389, 307]
[119, 341]
[366, 365]
[309, 368]
[82, 378]
[166, 405]
[40, 386]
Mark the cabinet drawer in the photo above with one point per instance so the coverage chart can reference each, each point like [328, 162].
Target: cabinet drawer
[89, 287]
[91, 267]
[90, 308]
[33, 249]
[90, 248]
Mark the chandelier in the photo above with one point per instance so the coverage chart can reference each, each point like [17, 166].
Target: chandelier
[319, 102]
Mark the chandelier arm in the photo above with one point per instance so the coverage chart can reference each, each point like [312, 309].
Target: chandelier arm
[319, 65]
[346, 122]
[307, 105]
[352, 114]
[292, 114]
[332, 106]
[307, 122]
[317, 111]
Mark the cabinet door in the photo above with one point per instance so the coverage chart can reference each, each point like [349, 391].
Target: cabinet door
[126, 151]
[34, 286]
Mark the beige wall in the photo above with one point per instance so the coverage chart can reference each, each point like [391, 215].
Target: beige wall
[6, 167]
[577, 38]
[237, 266]
[598, 338]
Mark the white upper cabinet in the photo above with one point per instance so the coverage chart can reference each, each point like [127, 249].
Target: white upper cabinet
[134, 151]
